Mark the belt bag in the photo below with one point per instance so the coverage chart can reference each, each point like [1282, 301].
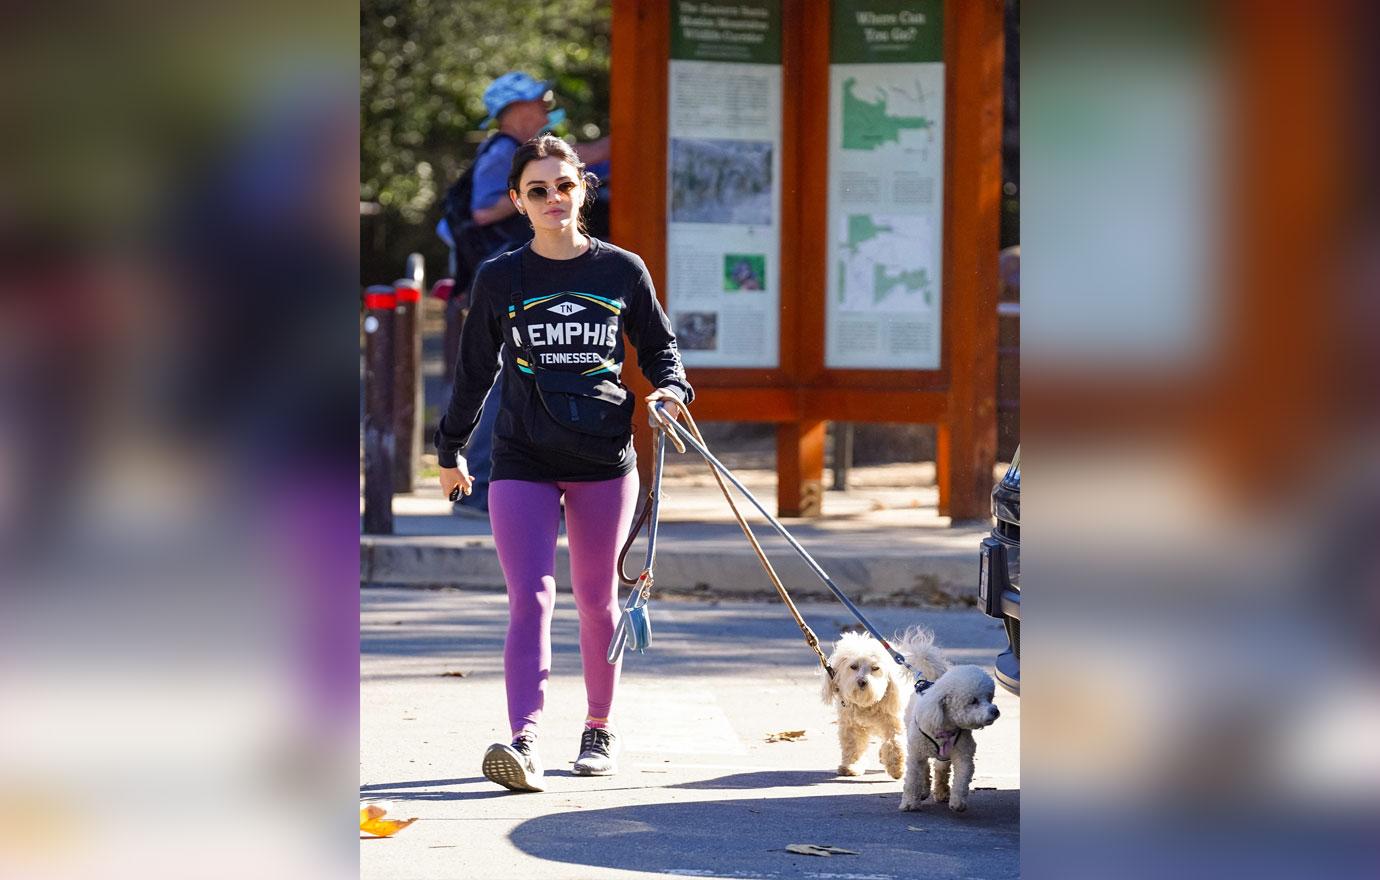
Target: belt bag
[578, 415]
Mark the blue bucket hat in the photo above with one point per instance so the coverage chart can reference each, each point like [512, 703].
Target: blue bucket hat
[508, 88]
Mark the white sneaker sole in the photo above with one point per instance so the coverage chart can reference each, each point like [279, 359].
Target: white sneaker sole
[590, 771]
[506, 767]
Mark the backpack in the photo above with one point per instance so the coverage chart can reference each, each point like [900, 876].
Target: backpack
[473, 243]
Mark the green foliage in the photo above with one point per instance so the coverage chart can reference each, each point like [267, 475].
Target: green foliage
[424, 65]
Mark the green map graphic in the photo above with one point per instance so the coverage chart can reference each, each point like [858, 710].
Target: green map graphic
[881, 259]
[912, 282]
[867, 125]
[861, 228]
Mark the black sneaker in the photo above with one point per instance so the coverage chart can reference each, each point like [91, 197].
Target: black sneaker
[598, 751]
[516, 765]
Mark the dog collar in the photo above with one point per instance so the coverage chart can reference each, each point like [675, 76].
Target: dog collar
[943, 741]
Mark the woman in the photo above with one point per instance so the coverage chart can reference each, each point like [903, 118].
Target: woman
[562, 304]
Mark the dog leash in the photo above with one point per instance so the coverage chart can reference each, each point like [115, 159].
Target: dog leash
[647, 511]
[634, 628]
[696, 441]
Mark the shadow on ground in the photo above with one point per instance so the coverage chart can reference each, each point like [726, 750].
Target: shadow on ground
[704, 838]
[691, 638]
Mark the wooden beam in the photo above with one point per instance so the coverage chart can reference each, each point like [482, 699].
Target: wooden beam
[853, 405]
[800, 468]
[967, 440]
[641, 45]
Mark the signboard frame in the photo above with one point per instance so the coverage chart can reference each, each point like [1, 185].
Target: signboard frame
[802, 395]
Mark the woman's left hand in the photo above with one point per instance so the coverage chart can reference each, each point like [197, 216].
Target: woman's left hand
[670, 403]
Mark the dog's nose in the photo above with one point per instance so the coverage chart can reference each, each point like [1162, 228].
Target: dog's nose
[996, 713]
[861, 684]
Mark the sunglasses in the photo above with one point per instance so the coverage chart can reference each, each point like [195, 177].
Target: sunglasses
[538, 193]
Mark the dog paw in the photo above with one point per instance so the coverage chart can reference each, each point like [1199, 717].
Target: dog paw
[941, 794]
[910, 805]
[896, 772]
[958, 806]
[849, 770]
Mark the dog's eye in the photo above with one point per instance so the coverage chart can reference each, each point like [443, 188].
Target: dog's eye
[854, 667]
[876, 669]
[974, 702]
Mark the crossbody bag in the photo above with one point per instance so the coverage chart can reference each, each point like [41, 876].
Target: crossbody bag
[578, 415]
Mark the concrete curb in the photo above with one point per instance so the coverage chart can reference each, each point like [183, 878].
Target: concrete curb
[930, 577]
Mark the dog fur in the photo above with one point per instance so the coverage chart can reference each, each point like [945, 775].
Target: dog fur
[959, 702]
[869, 690]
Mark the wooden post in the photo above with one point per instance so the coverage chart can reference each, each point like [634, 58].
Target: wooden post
[379, 302]
[800, 468]
[967, 439]
[407, 389]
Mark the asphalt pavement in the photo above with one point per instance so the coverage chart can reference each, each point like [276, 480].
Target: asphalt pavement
[701, 793]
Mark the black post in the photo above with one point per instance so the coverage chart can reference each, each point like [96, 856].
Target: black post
[407, 390]
[379, 302]
[843, 453]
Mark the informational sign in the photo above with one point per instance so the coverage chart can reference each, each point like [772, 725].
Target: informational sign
[724, 182]
[886, 184]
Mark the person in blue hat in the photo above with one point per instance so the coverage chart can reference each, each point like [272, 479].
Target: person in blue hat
[523, 108]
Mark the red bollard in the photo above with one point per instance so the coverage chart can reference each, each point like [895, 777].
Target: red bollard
[379, 302]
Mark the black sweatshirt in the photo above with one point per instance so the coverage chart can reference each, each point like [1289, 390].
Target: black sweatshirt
[577, 311]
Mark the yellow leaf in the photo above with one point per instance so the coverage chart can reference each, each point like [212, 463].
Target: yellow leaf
[385, 827]
[370, 811]
[371, 820]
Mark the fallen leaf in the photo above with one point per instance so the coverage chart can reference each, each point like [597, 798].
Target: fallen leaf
[371, 811]
[914, 828]
[814, 849]
[452, 675]
[786, 736]
[371, 820]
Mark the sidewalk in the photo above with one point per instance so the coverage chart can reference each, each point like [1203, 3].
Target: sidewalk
[880, 540]
[702, 791]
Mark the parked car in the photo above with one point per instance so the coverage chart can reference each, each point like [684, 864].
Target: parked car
[999, 578]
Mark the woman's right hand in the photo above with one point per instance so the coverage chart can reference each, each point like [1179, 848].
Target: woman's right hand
[455, 478]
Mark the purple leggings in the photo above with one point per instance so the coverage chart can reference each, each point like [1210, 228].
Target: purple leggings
[525, 518]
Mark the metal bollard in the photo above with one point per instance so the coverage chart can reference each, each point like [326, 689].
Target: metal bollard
[407, 390]
[379, 303]
[843, 453]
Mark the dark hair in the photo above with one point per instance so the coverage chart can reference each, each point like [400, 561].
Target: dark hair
[548, 146]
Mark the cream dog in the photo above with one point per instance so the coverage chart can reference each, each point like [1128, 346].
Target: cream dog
[869, 690]
[940, 724]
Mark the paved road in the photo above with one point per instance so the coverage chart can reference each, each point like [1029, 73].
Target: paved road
[701, 793]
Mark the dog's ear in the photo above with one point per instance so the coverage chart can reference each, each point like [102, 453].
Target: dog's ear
[891, 701]
[930, 712]
[829, 692]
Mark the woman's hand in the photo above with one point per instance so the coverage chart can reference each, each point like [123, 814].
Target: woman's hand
[670, 404]
[456, 480]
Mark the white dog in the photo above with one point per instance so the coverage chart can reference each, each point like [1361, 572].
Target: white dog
[940, 724]
[869, 689]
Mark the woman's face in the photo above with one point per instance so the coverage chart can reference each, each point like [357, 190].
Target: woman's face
[551, 192]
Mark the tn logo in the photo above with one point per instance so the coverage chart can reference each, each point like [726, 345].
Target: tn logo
[566, 309]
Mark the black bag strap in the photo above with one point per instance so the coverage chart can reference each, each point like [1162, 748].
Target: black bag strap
[515, 291]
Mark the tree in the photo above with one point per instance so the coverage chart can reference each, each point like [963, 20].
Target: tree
[424, 65]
